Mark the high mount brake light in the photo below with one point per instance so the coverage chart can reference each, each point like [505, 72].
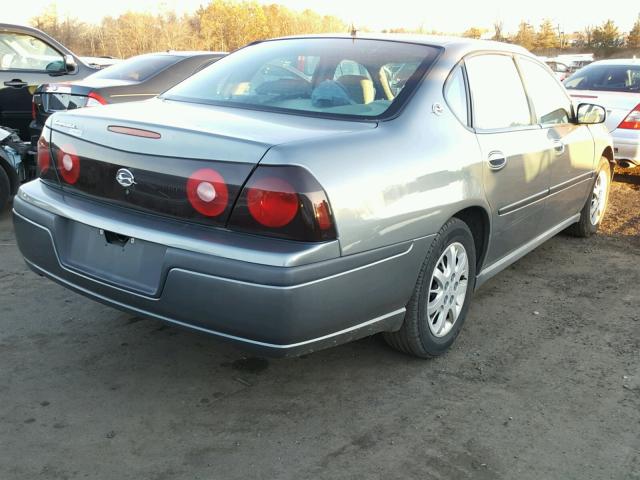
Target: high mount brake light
[632, 121]
[44, 156]
[207, 192]
[68, 164]
[285, 202]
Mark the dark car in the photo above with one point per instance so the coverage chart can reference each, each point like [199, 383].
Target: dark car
[136, 78]
[28, 58]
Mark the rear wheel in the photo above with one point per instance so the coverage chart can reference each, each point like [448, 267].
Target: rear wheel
[596, 205]
[5, 188]
[440, 301]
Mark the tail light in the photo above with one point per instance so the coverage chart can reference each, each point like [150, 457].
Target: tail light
[68, 164]
[44, 156]
[207, 192]
[33, 108]
[95, 100]
[286, 202]
[632, 122]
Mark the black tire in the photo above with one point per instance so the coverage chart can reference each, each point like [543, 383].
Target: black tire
[415, 336]
[5, 189]
[585, 226]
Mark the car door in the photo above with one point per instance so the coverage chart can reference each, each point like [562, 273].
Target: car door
[571, 148]
[25, 63]
[515, 169]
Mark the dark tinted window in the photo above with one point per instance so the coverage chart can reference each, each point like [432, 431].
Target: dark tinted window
[322, 76]
[497, 93]
[550, 101]
[614, 78]
[137, 69]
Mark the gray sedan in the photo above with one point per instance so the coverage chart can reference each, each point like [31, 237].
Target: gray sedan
[304, 192]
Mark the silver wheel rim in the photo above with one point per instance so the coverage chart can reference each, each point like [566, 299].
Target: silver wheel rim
[598, 198]
[447, 289]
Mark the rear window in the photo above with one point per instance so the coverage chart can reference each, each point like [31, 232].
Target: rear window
[612, 78]
[320, 76]
[137, 69]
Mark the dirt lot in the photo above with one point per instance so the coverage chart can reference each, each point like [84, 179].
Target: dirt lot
[544, 383]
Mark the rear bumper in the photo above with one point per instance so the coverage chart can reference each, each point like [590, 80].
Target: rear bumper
[277, 310]
[626, 145]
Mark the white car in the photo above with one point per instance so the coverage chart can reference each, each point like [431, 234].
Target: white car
[614, 84]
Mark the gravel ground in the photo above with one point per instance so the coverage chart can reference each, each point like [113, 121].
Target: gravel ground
[543, 383]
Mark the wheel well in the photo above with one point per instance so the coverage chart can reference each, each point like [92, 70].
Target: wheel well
[608, 154]
[477, 220]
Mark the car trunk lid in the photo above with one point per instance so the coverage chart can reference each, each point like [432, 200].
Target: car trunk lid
[141, 155]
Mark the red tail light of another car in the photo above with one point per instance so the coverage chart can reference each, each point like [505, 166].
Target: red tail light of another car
[285, 202]
[95, 100]
[632, 121]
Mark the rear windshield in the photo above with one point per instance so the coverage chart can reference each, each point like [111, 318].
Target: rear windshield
[137, 69]
[613, 78]
[319, 76]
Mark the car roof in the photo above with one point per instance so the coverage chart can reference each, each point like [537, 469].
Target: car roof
[459, 44]
[618, 61]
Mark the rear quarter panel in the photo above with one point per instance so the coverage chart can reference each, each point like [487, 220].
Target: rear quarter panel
[400, 181]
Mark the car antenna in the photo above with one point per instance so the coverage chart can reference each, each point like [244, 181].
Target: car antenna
[354, 31]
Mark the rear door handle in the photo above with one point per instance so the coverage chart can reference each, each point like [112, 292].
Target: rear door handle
[16, 83]
[497, 160]
[558, 146]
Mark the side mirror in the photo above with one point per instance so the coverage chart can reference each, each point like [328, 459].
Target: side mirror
[70, 64]
[590, 114]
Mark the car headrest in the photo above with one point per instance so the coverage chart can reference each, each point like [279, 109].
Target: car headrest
[360, 88]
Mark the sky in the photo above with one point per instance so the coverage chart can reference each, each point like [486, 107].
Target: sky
[450, 17]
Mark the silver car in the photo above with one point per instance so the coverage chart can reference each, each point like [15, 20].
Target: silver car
[614, 84]
[305, 192]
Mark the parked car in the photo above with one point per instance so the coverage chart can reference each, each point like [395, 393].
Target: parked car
[29, 57]
[615, 84]
[16, 164]
[137, 78]
[560, 69]
[288, 215]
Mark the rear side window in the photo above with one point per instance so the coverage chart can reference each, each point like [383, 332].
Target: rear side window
[137, 69]
[497, 93]
[551, 103]
[455, 94]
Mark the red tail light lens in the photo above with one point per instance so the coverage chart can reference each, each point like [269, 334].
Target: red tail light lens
[33, 109]
[95, 100]
[272, 202]
[68, 164]
[632, 122]
[207, 192]
[285, 202]
[44, 155]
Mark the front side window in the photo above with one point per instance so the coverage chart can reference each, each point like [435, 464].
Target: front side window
[603, 77]
[320, 76]
[497, 93]
[24, 52]
[551, 103]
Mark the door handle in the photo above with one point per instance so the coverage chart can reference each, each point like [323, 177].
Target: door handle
[497, 160]
[558, 147]
[16, 83]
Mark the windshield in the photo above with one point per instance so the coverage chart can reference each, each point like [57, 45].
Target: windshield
[137, 69]
[613, 78]
[318, 76]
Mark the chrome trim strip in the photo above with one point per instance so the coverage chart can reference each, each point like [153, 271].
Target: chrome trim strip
[520, 252]
[525, 202]
[570, 183]
[133, 95]
[142, 312]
